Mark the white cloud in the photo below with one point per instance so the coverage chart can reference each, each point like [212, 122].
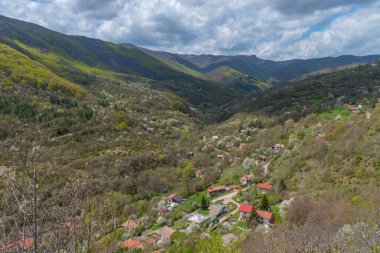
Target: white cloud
[270, 29]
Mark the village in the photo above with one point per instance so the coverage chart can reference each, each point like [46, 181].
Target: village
[229, 209]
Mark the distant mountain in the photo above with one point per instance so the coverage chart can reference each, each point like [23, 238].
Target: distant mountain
[268, 71]
[71, 56]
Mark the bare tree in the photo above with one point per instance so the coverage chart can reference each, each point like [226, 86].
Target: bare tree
[56, 222]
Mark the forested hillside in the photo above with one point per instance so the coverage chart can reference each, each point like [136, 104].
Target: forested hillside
[104, 148]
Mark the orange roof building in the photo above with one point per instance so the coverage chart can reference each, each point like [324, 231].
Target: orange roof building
[264, 214]
[132, 243]
[264, 186]
[130, 224]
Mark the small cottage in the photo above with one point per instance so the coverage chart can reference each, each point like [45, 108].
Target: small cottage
[165, 233]
[244, 180]
[266, 217]
[243, 146]
[199, 173]
[174, 198]
[246, 210]
[213, 191]
[261, 159]
[130, 225]
[264, 188]
[132, 244]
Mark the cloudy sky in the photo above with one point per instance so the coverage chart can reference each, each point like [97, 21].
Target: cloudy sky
[271, 29]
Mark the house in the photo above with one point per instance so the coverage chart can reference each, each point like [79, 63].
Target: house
[243, 146]
[244, 180]
[277, 147]
[246, 210]
[213, 191]
[320, 136]
[198, 218]
[228, 138]
[266, 218]
[220, 157]
[199, 173]
[355, 109]
[130, 225]
[217, 210]
[232, 187]
[25, 243]
[132, 243]
[152, 240]
[264, 188]
[174, 199]
[261, 159]
[215, 138]
[165, 233]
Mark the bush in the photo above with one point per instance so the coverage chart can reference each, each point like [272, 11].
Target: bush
[86, 112]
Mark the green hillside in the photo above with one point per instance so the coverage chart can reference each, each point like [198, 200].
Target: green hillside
[94, 134]
[69, 56]
[236, 80]
[319, 92]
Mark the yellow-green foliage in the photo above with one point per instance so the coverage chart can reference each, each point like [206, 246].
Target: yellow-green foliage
[18, 68]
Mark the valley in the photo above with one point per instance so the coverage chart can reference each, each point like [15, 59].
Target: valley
[115, 148]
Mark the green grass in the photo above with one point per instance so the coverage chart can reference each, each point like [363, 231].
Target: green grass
[332, 114]
[180, 225]
[276, 214]
[204, 212]
[155, 227]
[242, 224]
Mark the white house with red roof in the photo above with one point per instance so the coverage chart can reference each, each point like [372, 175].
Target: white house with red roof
[264, 188]
[130, 225]
[246, 210]
[199, 173]
[267, 218]
[213, 191]
[244, 180]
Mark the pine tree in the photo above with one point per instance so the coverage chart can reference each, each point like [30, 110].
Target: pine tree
[204, 203]
[264, 203]
[281, 186]
[253, 219]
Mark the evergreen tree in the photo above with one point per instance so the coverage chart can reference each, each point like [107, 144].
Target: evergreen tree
[253, 219]
[281, 186]
[204, 203]
[264, 203]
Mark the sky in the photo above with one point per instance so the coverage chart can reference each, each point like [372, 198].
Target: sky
[270, 29]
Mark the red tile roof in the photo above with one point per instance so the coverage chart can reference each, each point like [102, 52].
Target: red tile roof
[216, 188]
[132, 243]
[262, 158]
[130, 224]
[25, 243]
[264, 214]
[199, 172]
[243, 145]
[245, 208]
[166, 232]
[264, 186]
[279, 145]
